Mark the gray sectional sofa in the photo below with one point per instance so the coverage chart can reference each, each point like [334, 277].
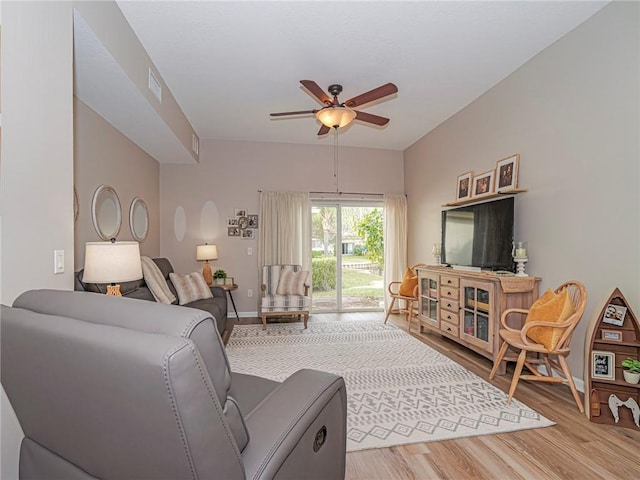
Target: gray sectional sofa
[216, 306]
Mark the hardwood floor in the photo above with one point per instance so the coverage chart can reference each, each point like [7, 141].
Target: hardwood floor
[574, 448]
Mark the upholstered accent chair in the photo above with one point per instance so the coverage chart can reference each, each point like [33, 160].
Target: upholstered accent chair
[285, 291]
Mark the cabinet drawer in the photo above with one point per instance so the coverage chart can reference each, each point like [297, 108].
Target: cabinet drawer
[451, 305]
[449, 293]
[447, 281]
[449, 328]
[449, 317]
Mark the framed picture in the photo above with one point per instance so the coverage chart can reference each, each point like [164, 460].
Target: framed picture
[253, 221]
[228, 280]
[232, 222]
[463, 186]
[248, 233]
[233, 231]
[507, 173]
[483, 184]
[614, 314]
[612, 335]
[243, 222]
[240, 212]
[603, 365]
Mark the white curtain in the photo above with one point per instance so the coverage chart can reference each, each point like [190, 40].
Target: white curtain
[285, 229]
[395, 240]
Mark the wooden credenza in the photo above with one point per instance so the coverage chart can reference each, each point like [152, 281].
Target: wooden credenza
[466, 306]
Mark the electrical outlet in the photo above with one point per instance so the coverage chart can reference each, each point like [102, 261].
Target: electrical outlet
[249, 293]
[249, 251]
[58, 261]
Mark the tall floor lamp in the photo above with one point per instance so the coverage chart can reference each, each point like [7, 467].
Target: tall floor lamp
[205, 253]
[112, 262]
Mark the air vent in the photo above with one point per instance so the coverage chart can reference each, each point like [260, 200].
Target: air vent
[195, 144]
[154, 86]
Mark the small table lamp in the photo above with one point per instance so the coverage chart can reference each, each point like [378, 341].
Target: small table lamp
[205, 253]
[112, 262]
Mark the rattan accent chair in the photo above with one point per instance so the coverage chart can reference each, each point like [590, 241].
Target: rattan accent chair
[521, 345]
[409, 300]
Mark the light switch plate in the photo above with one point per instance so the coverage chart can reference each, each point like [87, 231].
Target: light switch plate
[58, 261]
[249, 251]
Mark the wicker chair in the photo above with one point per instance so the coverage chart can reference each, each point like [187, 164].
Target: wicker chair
[518, 341]
[410, 301]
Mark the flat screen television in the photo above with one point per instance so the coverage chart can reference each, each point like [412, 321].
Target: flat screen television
[479, 235]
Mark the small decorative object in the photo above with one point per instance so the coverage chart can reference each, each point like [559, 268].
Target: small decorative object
[631, 370]
[240, 212]
[614, 314]
[243, 222]
[248, 234]
[463, 186]
[232, 222]
[205, 253]
[219, 276]
[595, 403]
[615, 403]
[519, 253]
[228, 281]
[507, 173]
[253, 221]
[612, 335]
[483, 184]
[233, 231]
[603, 365]
[437, 252]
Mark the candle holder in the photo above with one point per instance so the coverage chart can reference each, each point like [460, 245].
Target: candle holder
[519, 253]
[520, 266]
[437, 252]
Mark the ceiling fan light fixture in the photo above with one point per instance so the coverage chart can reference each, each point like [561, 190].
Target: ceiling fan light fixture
[336, 116]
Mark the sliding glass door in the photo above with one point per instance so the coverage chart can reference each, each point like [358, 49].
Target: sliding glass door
[347, 248]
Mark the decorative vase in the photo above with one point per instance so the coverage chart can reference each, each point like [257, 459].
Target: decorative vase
[631, 377]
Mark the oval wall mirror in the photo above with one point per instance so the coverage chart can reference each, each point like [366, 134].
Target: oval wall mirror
[139, 219]
[106, 213]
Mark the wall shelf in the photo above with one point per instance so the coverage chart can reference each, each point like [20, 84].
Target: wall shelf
[486, 198]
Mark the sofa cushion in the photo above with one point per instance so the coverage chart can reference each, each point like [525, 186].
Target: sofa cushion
[156, 281]
[292, 283]
[190, 287]
[217, 307]
[409, 283]
[549, 308]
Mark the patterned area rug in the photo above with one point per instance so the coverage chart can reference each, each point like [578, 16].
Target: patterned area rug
[399, 390]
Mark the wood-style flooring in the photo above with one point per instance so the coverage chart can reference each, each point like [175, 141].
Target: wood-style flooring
[574, 448]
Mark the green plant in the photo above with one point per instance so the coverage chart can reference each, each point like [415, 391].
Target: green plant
[631, 364]
[370, 230]
[324, 273]
[219, 274]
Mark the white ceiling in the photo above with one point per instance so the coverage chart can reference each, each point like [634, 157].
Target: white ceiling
[229, 64]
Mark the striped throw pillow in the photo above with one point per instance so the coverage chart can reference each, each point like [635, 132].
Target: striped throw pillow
[292, 283]
[156, 282]
[190, 287]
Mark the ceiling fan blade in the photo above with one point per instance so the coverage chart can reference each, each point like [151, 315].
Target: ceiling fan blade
[316, 91]
[281, 114]
[370, 118]
[323, 130]
[371, 95]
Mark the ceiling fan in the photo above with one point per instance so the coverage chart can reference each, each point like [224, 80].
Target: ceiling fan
[335, 114]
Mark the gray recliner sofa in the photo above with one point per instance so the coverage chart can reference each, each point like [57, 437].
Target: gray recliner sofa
[216, 306]
[112, 388]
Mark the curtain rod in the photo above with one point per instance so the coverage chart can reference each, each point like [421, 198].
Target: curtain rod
[343, 193]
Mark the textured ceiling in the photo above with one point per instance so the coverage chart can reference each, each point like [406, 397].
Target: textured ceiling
[229, 64]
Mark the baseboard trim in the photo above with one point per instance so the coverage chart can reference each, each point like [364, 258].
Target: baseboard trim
[578, 381]
[243, 314]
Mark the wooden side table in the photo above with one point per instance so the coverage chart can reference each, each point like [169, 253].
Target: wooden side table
[229, 289]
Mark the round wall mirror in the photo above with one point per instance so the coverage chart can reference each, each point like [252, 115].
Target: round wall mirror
[106, 213]
[139, 219]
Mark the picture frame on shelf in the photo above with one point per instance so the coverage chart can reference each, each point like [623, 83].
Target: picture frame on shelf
[253, 221]
[483, 184]
[611, 335]
[228, 281]
[463, 186]
[603, 365]
[240, 212]
[614, 314]
[507, 173]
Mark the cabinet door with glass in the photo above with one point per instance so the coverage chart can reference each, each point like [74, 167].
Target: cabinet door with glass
[476, 322]
[428, 301]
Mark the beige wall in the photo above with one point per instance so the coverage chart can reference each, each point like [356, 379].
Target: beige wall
[572, 113]
[104, 156]
[230, 175]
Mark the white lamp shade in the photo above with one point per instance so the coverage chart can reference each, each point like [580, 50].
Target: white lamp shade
[206, 252]
[336, 116]
[106, 262]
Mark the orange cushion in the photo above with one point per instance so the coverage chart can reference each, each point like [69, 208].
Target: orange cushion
[549, 308]
[409, 282]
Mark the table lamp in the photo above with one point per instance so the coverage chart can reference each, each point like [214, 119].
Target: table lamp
[205, 253]
[112, 262]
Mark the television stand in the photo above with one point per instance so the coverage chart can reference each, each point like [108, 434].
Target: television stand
[466, 306]
[465, 268]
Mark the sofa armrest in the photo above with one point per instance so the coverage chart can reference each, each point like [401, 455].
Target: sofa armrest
[218, 291]
[300, 426]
